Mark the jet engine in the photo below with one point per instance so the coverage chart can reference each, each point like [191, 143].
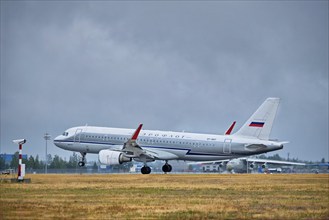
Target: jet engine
[252, 165]
[110, 157]
[264, 165]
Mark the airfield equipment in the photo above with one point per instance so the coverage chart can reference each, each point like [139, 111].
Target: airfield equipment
[21, 166]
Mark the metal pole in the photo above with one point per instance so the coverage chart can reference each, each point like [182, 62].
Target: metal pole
[46, 137]
[46, 157]
[20, 163]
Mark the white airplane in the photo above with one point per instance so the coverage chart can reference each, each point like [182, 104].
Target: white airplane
[116, 145]
[241, 165]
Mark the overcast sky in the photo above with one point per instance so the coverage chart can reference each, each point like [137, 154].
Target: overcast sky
[193, 66]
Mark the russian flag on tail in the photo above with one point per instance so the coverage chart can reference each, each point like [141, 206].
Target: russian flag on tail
[257, 124]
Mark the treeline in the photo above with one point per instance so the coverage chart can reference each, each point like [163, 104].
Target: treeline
[277, 157]
[34, 163]
[56, 162]
[31, 161]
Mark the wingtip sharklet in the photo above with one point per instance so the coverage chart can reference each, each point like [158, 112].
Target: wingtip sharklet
[136, 133]
[228, 132]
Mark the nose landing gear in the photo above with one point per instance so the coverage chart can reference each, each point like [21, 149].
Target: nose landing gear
[83, 161]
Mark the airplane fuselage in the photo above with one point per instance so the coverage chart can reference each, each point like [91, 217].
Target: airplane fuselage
[177, 145]
[116, 145]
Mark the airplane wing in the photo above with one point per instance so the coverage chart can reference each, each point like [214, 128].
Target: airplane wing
[132, 149]
[210, 162]
[320, 165]
[161, 155]
[255, 160]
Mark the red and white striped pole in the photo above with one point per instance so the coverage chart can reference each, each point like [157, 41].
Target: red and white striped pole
[20, 162]
[20, 142]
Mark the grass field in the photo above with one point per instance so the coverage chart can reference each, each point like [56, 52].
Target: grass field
[189, 196]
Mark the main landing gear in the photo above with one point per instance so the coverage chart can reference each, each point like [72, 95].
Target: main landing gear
[146, 169]
[165, 168]
[82, 163]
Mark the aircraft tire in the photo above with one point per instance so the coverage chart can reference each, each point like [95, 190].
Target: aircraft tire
[166, 168]
[170, 168]
[146, 170]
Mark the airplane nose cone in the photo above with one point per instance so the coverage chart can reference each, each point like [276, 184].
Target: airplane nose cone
[58, 141]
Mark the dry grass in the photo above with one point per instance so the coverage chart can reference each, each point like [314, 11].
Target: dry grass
[167, 197]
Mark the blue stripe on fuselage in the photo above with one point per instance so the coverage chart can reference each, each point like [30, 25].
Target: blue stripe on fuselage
[157, 147]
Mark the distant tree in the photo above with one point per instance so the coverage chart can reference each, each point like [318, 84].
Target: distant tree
[14, 161]
[2, 163]
[38, 164]
[26, 162]
[262, 156]
[95, 167]
[49, 159]
[57, 163]
[73, 161]
[295, 159]
[275, 157]
[31, 162]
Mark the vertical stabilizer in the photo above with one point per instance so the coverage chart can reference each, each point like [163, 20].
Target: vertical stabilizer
[259, 125]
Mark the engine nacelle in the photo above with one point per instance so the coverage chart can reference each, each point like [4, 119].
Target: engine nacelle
[264, 165]
[110, 157]
[252, 165]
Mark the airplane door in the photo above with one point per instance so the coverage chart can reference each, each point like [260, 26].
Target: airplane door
[227, 146]
[77, 135]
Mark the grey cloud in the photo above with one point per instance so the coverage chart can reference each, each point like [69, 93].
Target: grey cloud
[172, 65]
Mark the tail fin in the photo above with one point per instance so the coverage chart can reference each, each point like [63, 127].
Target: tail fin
[259, 125]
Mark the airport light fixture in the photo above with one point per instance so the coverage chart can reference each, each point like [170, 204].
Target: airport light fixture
[46, 137]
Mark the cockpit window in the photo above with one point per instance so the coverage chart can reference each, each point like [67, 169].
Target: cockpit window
[65, 133]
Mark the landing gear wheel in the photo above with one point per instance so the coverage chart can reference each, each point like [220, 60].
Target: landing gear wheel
[166, 168]
[82, 162]
[146, 170]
